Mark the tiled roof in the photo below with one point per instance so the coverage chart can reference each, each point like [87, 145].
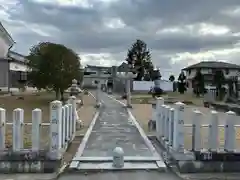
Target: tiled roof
[17, 57]
[9, 37]
[213, 64]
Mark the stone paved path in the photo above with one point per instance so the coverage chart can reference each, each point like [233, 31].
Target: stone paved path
[115, 128]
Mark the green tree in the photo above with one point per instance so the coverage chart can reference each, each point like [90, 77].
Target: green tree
[139, 56]
[219, 81]
[53, 66]
[199, 83]
[171, 78]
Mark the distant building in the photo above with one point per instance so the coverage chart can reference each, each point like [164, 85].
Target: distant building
[11, 63]
[92, 73]
[208, 68]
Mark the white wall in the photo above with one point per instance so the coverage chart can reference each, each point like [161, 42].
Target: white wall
[3, 47]
[146, 85]
[18, 67]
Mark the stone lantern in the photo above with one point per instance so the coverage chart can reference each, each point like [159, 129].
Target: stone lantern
[76, 91]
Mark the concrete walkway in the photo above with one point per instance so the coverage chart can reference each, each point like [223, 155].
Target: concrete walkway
[111, 128]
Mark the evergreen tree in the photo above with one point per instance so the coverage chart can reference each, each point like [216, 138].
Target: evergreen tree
[198, 81]
[181, 83]
[139, 56]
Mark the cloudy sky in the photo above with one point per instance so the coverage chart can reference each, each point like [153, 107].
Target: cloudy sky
[178, 32]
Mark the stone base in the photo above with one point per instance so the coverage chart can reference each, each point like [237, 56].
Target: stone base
[151, 125]
[129, 106]
[98, 105]
[9, 167]
[207, 167]
[185, 162]
[28, 162]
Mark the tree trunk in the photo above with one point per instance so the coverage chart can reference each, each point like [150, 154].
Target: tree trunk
[57, 94]
[62, 96]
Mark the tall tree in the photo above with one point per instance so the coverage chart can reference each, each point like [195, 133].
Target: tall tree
[139, 56]
[219, 81]
[198, 81]
[182, 83]
[53, 66]
[171, 78]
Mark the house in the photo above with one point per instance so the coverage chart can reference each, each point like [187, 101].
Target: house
[208, 68]
[12, 64]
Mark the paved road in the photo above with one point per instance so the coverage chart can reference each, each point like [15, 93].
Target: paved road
[114, 128]
[136, 175]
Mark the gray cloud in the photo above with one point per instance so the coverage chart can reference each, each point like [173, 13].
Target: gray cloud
[84, 29]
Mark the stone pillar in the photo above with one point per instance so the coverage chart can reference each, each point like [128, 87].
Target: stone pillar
[128, 89]
[166, 127]
[178, 136]
[56, 129]
[2, 128]
[171, 126]
[64, 125]
[18, 129]
[74, 113]
[159, 103]
[196, 131]
[213, 132]
[163, 117]
[230, 133]
[36, 129]
[98, 95]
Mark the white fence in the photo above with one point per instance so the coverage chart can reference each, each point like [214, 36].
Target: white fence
[170, 128]
[147, 85]
[62, 122]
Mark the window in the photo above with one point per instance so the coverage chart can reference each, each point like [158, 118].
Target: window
[227, 71]
[210, 71]
[189, 71]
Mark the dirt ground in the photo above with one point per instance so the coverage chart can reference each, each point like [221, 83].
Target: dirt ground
[143, 113]
[86, 113]
[188, 98]
[28, 102]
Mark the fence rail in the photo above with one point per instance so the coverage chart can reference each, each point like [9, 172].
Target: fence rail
[170, 128]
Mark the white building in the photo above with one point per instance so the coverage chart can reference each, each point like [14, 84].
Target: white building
[11, 63]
